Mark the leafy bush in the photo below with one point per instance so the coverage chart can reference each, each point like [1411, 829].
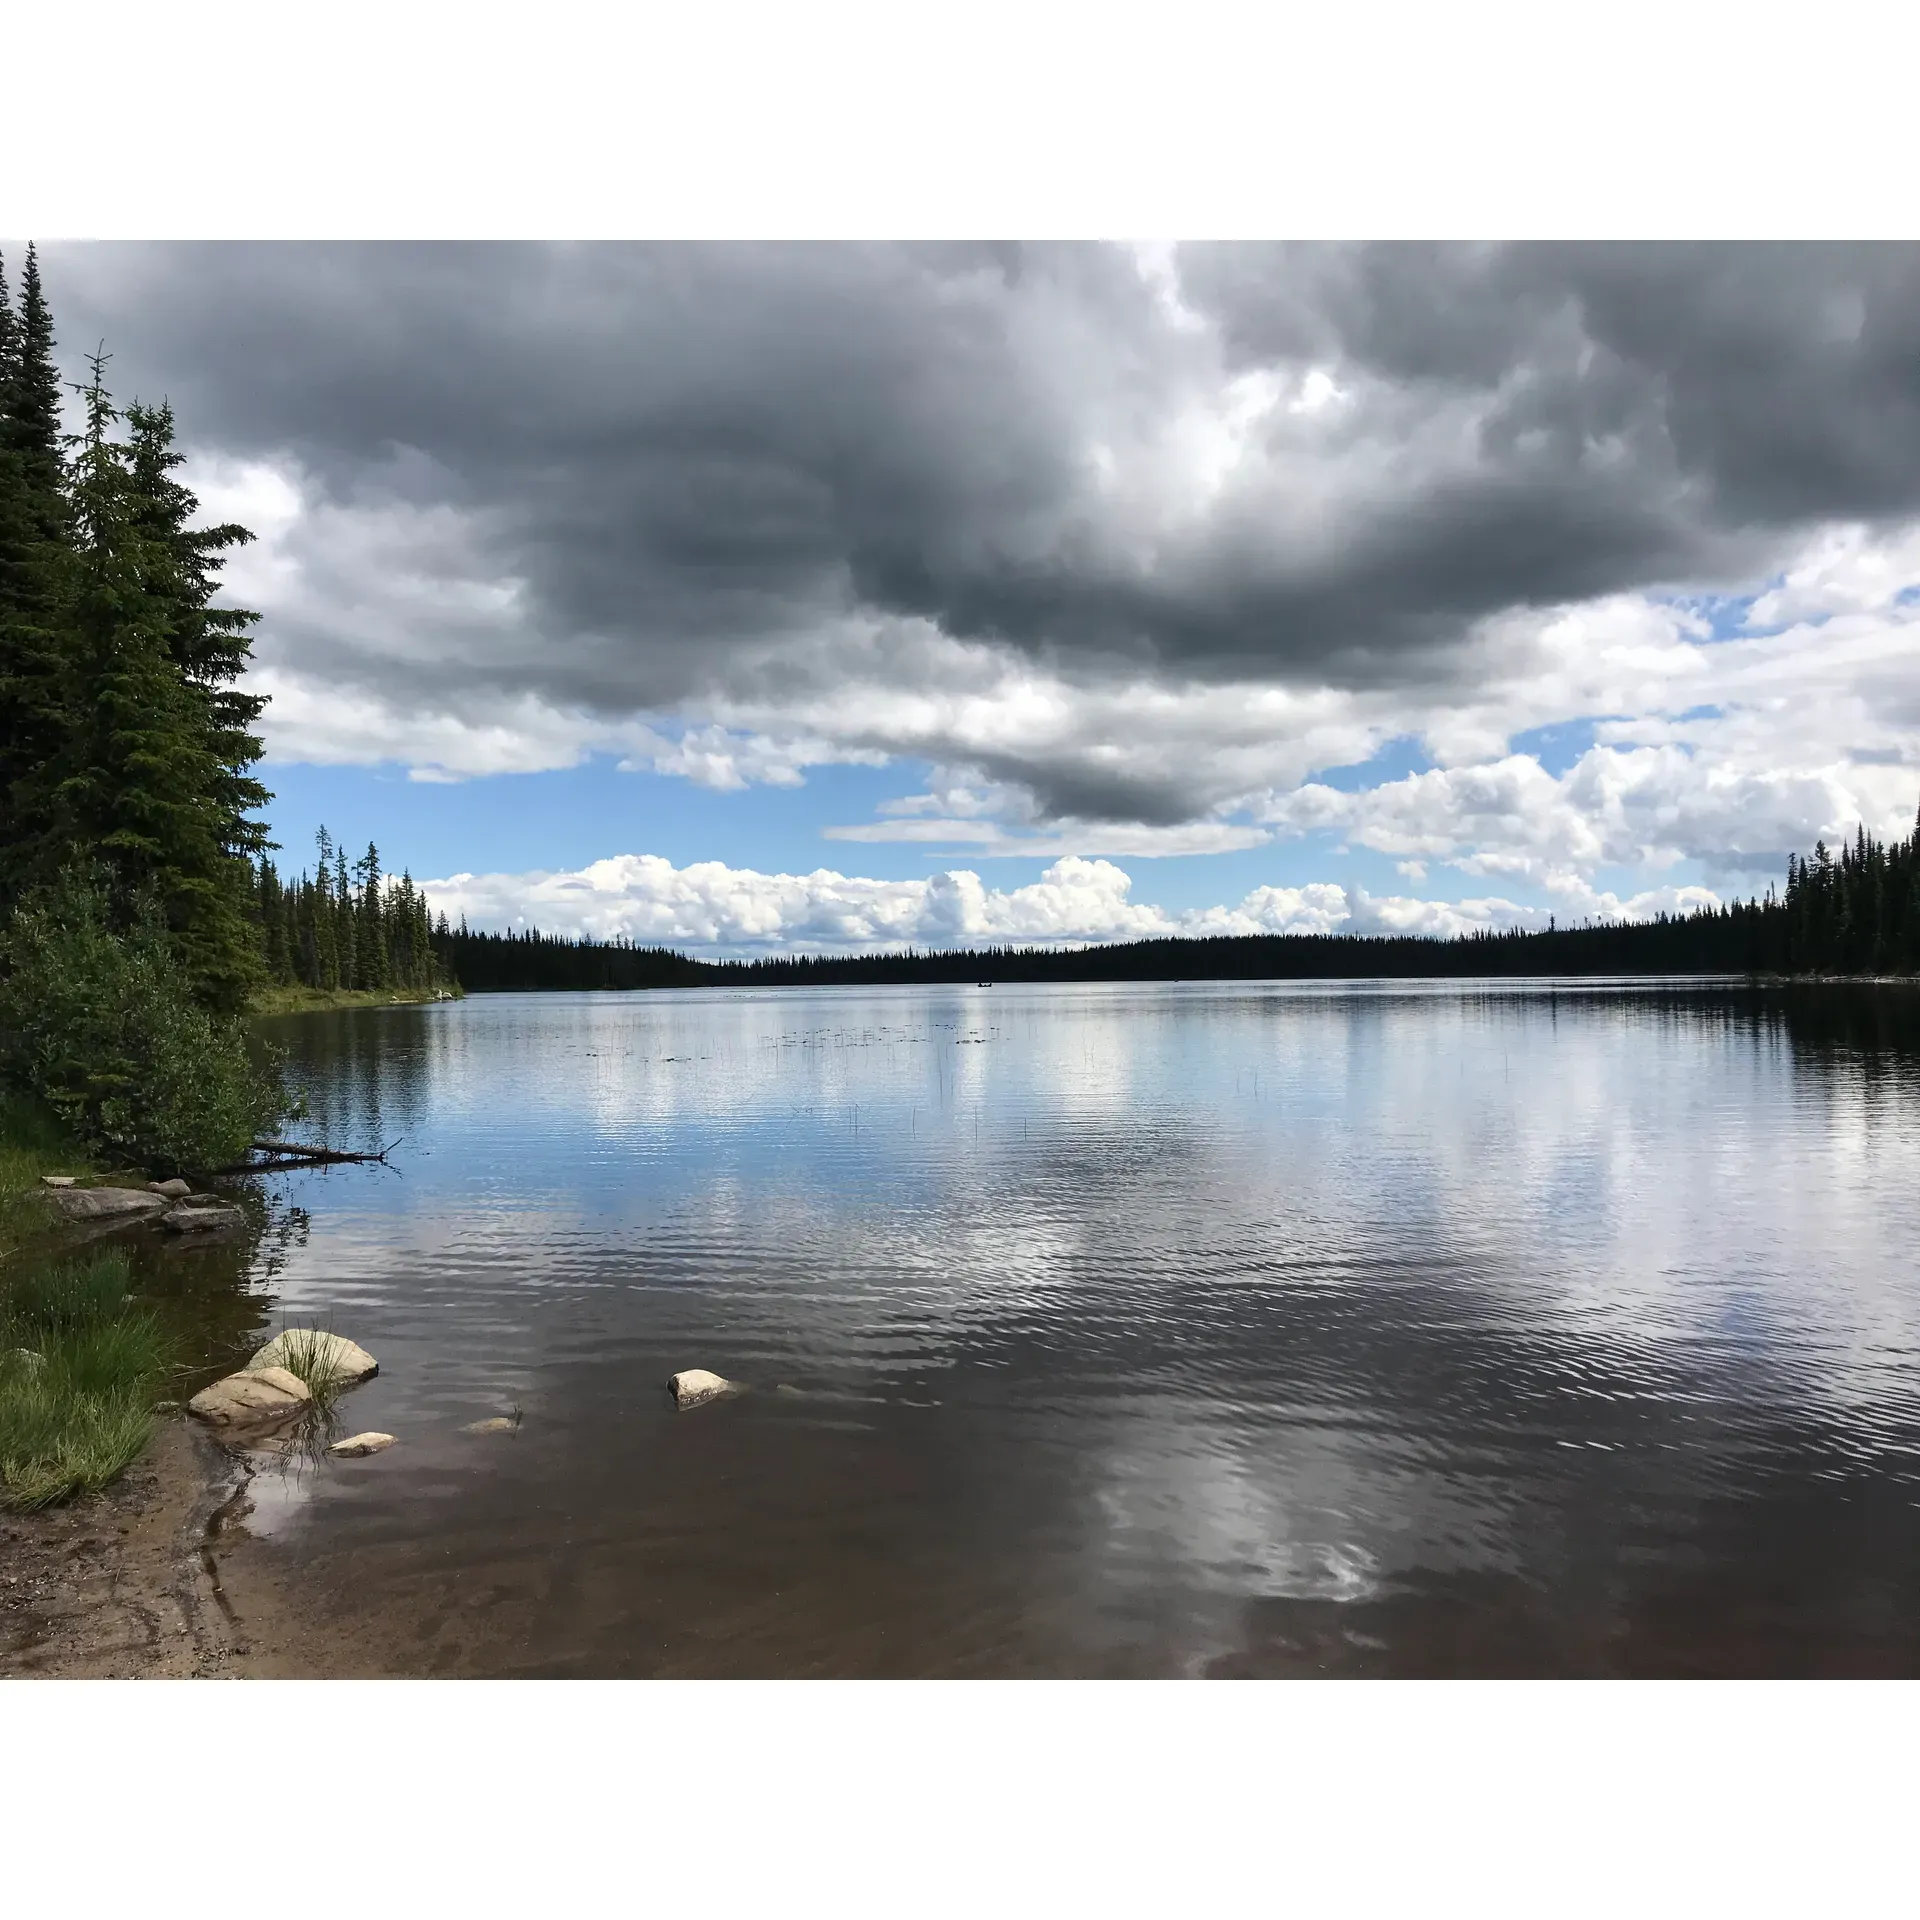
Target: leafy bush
[102, 1024]
[79, 1361]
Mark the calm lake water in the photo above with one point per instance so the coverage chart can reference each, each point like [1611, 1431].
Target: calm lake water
[1230, 1329]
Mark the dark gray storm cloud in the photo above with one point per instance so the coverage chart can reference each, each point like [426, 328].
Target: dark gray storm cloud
[1782, 379]
[720, 468]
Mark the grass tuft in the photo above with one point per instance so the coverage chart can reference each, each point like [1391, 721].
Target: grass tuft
[79, 1364]
[304, 1355]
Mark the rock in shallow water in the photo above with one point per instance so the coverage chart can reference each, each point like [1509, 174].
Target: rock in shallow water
[360, 1444]
[317, 1352]
[244, 1399]
[201, 1219]
[105, 1203]
[695, 1386]
[498, 1424]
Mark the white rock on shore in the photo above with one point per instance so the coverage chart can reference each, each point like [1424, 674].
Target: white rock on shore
[347, 1363]
[695, 1386]
[361, 1444]
[173, 1189]
[56, 1179]
[245, 1399]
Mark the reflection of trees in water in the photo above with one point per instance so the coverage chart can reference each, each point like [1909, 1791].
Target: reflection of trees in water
[1843, 1032]
[287, 1229]
[1880, 1026]
[1842, 1038]
[364, 1072]
[212, 1291]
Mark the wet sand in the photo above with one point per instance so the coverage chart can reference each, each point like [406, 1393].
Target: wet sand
[113, 1587]
[137, 1583]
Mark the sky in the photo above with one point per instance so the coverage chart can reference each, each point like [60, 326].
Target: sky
[748, 596]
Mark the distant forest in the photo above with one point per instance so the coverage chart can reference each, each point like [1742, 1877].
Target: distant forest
[1853, 912]
[347, 926]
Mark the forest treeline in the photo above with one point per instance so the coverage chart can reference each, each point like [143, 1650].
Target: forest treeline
[345, 926]
[1854, 912]
[129, 944]
[1724, 940]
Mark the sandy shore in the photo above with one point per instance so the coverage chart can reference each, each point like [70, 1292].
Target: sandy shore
[131, 1584]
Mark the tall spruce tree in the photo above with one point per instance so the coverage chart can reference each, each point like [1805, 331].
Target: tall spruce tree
[370, 946]
[139, 783]
[210, 645]
[35, 526]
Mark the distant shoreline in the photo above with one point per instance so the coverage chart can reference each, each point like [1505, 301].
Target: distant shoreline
[297, 999]
[979, 977]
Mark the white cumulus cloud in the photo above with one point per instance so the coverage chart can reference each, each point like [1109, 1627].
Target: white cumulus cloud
[711, 907]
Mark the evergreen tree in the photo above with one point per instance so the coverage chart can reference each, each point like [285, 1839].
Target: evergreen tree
[210, 645]
[323, 948]
[136, 780]
[36, 688]
[344, 918]
[369, 947]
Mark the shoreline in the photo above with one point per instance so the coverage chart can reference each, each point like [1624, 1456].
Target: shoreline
[120, 1585]
[156, 1578]
[270, 1002]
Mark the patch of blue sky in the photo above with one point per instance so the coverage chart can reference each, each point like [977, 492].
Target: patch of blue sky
[1557, 747]
[1725, 615]
[564, 819]
[1749, 879]
[1401, 756]
[1187, 882]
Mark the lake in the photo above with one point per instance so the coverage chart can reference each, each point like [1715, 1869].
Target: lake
[1194, 1329]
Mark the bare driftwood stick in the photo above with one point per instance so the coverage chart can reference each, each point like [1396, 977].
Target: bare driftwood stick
[292, 1153]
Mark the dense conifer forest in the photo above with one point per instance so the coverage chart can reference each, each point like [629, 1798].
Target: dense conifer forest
[126, 745]
[129, 940]
[345, 926]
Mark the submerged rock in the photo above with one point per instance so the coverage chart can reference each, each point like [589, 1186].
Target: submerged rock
[360, 1444]
[317, 1352]
[187, 1218]
[695, 1386]
[173, 1189]
[105, 1203]
[498, 1424]
[246, 1399]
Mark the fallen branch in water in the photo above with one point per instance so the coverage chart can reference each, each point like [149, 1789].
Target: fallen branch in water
[294, 1153]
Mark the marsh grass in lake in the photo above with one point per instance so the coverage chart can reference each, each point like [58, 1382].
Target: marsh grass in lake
[308, 1354]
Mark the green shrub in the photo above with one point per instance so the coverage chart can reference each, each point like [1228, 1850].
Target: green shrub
[79, 1362]
[102, 1024]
